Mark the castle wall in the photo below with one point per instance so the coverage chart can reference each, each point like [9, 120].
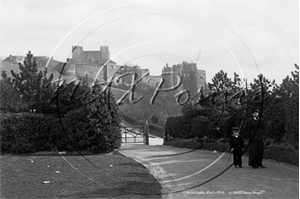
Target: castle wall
[92, 55]
[90, 71]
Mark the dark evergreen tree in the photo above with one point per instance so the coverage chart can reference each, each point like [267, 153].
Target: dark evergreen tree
[31, 84]
[288, 93]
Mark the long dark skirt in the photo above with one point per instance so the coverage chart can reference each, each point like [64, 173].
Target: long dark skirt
[256, 151]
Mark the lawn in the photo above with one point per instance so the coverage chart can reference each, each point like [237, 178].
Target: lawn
[52, 175]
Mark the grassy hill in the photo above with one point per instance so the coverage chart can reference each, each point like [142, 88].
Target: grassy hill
[7, 67]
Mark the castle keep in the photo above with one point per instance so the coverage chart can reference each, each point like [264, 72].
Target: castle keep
[86, 64]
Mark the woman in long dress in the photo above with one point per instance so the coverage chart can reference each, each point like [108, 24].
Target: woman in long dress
[255, 128]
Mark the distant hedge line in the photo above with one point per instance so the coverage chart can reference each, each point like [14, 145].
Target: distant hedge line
[212, 126]
[280, 153]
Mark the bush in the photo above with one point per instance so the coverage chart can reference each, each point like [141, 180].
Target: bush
[282, 153]
[27, 132]
[104, 119]
[215, 126]
[77, 131]
[199, 125]
[191, 111]
[94, 128]
[180, 127]
[10, 100]
[212, 130]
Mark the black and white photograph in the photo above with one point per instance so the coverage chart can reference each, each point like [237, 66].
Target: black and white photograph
[164, 99]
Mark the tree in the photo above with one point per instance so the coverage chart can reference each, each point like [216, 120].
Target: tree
[10, 99]
[220, 82]
[289, 93]
[30, 84]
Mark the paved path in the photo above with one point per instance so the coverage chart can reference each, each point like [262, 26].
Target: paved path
[189, 174]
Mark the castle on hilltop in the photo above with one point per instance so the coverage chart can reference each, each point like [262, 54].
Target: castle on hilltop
[92, 63]
[87, 64]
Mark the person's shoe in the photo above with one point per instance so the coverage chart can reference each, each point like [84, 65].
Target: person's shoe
[262, 166]
[236, 166]
[240, 166]
[254, 167]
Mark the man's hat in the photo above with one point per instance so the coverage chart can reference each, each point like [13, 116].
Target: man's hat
[235, 128]
[255, 110]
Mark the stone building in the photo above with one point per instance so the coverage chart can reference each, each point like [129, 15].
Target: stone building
[192, 78]
[89, 64]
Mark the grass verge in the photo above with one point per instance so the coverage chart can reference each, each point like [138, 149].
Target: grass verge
[50, 175]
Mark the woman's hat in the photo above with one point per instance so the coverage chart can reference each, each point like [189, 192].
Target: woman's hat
[235, 128]
[255, 110]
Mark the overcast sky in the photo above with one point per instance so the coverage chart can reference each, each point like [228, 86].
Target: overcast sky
[243, 36]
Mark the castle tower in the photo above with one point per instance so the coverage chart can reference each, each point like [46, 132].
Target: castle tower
[104, 53]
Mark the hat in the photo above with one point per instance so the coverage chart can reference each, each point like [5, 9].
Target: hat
[235, 128]
[255, 110]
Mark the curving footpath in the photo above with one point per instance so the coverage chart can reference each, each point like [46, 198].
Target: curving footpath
[187, 173]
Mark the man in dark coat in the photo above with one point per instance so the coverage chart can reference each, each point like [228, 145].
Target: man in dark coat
[254, 129]
[236, 147]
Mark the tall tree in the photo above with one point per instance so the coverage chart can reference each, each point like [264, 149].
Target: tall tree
[220, 82]
[31, 84]
[289, 92]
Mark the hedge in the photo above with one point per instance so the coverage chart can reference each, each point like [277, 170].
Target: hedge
[27, 132]
[30, 132]
[179, 127]
[198, 126]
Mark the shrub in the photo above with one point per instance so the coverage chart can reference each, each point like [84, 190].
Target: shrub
[282, 153]
[26, 132]
[198, 126]
[180, 127]
[10, 100]
[212, 130]
[191, 111]
[77, 131]
[104, 119]
[94, 128]
[214, 127]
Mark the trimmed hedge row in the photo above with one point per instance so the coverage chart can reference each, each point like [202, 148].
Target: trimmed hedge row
[29, 133]
[212, 126]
